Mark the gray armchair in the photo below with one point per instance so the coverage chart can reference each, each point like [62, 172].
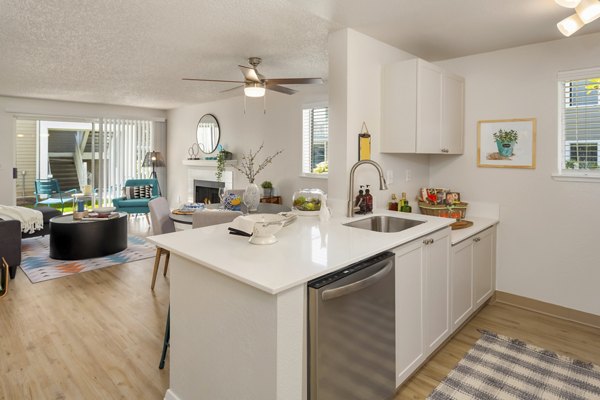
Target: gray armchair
[10, 244]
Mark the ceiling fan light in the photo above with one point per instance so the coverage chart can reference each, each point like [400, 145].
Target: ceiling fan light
[588, 10]
[570, 25]
[568, 3]
[254, 89]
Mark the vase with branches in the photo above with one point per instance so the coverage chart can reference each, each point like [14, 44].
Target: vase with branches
[249, 167]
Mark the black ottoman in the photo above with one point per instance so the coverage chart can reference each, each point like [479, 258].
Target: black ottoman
[48, 213]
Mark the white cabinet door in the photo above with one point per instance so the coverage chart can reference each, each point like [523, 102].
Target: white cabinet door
[409, 309]
[429, 108]
[422, 300]
[461, 287]
[422, 109]
[437, 289]
[484, 265]
[453, 112]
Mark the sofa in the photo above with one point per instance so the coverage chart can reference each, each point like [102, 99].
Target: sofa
[136, 205]
[11, 235]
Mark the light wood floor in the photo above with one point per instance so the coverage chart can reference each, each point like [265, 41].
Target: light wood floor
[98, 335]
[567, 338]
[94, 335]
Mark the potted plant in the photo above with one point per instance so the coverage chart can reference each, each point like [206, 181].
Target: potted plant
[505, 141]
[267, 188]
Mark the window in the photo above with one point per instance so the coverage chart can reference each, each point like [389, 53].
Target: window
[579, 123]
[315, 140]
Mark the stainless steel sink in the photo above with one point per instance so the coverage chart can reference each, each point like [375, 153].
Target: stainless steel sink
[384, 223]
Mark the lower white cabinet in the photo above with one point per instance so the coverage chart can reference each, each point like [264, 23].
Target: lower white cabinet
[422, 300]
[472, 272]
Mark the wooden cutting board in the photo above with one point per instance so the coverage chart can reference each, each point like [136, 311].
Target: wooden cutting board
[461, 224]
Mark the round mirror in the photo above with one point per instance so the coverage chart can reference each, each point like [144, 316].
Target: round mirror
[207, 133]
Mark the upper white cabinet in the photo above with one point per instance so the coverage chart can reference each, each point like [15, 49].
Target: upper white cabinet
[422, 109]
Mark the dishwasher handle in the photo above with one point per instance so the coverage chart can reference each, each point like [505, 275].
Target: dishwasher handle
[359, 285]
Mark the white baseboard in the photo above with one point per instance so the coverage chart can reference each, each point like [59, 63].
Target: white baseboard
[170, 395]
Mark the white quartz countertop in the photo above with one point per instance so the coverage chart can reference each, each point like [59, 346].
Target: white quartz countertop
[306, 249]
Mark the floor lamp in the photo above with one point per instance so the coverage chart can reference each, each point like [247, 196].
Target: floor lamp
[154, 159]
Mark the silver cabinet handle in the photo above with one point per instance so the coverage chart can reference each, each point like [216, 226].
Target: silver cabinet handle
[445, 151]
[477, 239]
[356, 286]
[428, 241]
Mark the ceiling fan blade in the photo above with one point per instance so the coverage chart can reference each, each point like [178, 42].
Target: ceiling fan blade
[295, 81]
[209, 80]
[232, 89]
[250, 74]
[281, 89]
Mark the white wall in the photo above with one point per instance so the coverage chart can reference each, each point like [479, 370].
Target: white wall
[279, 128]
[548, 234]
[355, 64]
[9, 106]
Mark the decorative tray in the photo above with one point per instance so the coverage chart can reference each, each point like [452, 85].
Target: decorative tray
[184, 211]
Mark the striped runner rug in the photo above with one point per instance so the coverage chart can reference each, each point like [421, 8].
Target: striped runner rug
[498, 367]
[39, 267]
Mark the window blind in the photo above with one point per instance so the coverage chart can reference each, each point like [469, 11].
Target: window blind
[123, 145]
[580, 122]
[315, 129]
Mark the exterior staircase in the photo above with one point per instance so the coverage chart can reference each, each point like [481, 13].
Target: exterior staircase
[63, 169]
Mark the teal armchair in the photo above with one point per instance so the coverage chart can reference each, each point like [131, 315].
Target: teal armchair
[47, 192]
[136, 206]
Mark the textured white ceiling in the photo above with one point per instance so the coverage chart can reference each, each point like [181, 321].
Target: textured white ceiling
[135, 52]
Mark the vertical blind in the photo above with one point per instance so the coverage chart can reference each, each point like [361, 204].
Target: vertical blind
[580, 121]
[315, 137]
[122, 147]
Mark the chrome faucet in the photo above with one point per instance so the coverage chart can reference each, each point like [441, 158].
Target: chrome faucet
[382, 183]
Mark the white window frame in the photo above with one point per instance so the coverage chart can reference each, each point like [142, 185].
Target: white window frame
[563, 174]
[304, 173]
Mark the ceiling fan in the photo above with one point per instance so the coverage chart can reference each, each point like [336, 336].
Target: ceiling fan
[255, 83]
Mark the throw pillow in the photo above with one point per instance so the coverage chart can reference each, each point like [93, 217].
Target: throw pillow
[137, 192]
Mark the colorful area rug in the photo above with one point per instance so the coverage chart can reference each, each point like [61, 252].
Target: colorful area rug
[39, 267]
[498, 367]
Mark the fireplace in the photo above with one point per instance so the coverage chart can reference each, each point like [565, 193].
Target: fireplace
[207, 191]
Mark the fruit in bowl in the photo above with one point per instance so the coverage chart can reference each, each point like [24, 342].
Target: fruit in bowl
[301, 203]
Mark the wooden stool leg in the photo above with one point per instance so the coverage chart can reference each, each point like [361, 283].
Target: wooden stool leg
[156, 262]
[167, 263]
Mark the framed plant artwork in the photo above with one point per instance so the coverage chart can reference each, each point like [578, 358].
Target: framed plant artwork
[506, 143]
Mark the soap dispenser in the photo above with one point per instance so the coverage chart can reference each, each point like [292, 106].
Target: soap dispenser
[368, 200]
[360, 200]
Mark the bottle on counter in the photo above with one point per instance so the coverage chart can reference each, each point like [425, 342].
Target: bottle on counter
[393, 205]
[405, 207]
[360, 201]
[368, 200]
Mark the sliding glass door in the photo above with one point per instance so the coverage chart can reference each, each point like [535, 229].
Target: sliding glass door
[101, 153]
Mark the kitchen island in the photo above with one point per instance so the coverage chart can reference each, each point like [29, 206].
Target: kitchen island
[238, 311]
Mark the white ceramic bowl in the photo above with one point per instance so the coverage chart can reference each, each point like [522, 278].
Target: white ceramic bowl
[265, 227]
[103, 210]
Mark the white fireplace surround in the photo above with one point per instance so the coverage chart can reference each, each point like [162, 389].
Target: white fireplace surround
[205, 173]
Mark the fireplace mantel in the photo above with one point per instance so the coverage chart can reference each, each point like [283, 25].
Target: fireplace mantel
[206, 163]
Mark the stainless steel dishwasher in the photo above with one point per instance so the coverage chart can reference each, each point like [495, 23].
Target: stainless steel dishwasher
[351, 328]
